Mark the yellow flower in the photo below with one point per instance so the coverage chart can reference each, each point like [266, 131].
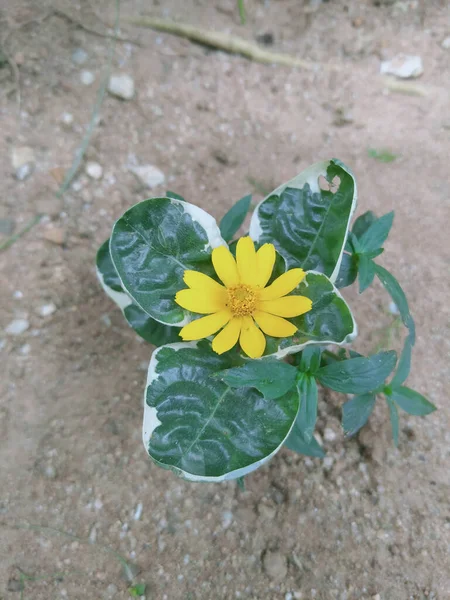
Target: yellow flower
[243, 308]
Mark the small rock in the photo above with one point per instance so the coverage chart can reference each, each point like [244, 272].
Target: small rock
[23, 162]
[358, 22]
[46, 310]
[94, 170]
[121, 86]
[266, 512]
[446, 43]
[58, 174]
[138, 512]
[18, 295]
[55, 235]
[342, 117]
[67, 119]
[148, 175]
[50, 472]
[327, 463]
[17, 327]
[227, 519]
[275, 565]
[7, 226]
[87, 77]
[393, 308]
[329, 435]
[402, 66]
[79, 56]
[48, 204]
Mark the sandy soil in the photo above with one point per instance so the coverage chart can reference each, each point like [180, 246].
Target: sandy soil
[370, 521]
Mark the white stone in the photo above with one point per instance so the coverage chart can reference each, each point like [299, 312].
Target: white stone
[25, 349]
[227, 519]
[67, 119]
[121, 86]
[46, 310]
[94, 170]
[329, 435]
[87, 77]
[79, 56]
[446, 43]
[17, 327]
[23, 162]
[138, 512]
[18, 295]
[393, 308]
[402, 66]
[149, 175]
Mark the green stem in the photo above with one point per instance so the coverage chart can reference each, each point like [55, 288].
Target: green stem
[242, 14]
[13, 238]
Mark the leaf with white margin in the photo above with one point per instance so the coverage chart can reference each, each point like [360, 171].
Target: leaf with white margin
[330, 321]
[199, 427]
[146, 327]
[309, 225]
[152, 245]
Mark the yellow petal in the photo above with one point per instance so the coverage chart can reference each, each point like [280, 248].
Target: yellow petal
[274, 326]
[252, 339]
[205, 326]
[265, 260]
[225, 266]
[202, 301]
[228, 337]
[283, 285]
[289, 306]
[246, 261]
[197, 280]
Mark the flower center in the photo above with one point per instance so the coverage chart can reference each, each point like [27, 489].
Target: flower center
[242, 300]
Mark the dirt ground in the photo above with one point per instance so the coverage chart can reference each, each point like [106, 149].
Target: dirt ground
[78, 494]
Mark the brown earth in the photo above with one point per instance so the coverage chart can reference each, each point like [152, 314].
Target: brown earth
[370, 521]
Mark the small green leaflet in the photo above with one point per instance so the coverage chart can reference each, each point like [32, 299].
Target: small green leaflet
[412, 402]
[358, 375]
[356, 412]
[393, 288]
[234, 218]
[271, 377]
[307, 415]
[348, 271]
[297, 443]
[310, 359]
[366, 272]
[384, 156]
[404, 365]
[174, 195]
[375, 236]
[362, 223]
[137, 590]
[393, 414]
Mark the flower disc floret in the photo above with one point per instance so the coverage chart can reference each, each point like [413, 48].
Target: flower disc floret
[242, 309]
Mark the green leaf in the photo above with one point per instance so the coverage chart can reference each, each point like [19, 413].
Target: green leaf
[362, 223]
[272, 378]
[297, 443]
[366, 272]
[234, 218]
[348, 271]
[356, 412]
[137, 590]
[393, 415]
[404, 365]
[393, 288]
[308, 225]
[199, 427]
[307, 415]
[174, 195]
[384, 156]
[375, 236]
[358, 375]
[310, 359]
[412, 402]
[330, 320]
[149, 329]
[152, 245]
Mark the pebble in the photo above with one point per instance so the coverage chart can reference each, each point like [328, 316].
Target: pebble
[266, 512]
[275, 565]
[23, 162]
[227, 519]
[46, 310]
[17, 327]
[393, 308]
[79, 56]
[94, 170]
[67, 119]
[329, 435]
[87, 77]
[55, 235]
[403, 66]
[121, 86]
[25, 349]
[148, 175]
[138, 512]
[446, 43]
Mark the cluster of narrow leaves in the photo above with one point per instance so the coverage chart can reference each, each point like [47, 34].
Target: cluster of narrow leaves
[210, 417]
